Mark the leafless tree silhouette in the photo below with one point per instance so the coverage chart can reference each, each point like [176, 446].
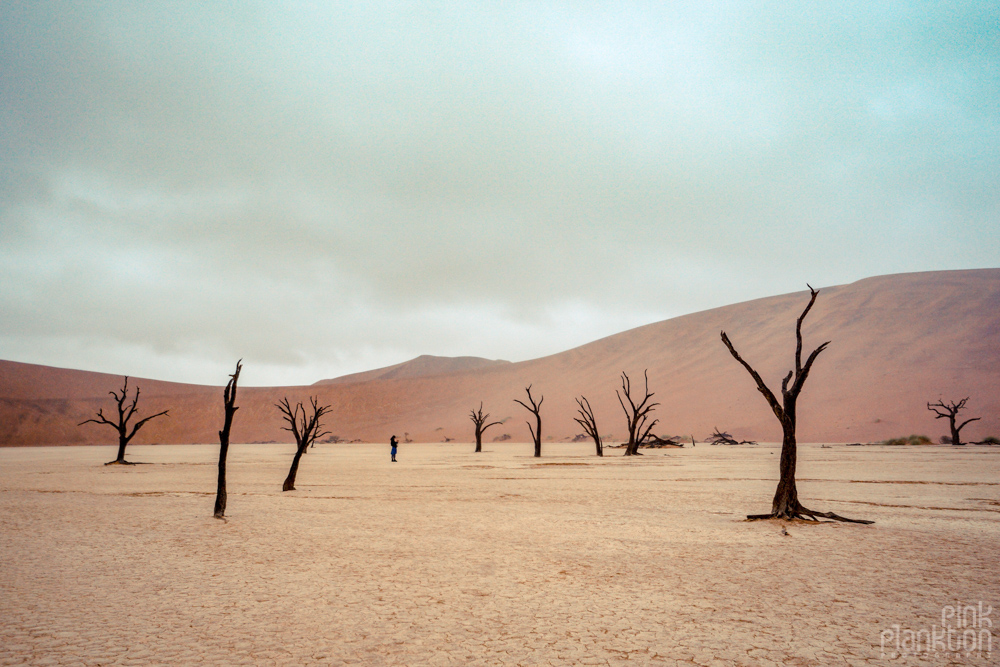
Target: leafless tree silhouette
[950, 412]
[304, 427]
[653, 440]
[724, 438]
[229, 403]
[637, 414]
[535, 409]
[786, 500]
[479, 419]
[589, 424]
[125, 413]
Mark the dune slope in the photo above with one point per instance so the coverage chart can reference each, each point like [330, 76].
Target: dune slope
[897, 342]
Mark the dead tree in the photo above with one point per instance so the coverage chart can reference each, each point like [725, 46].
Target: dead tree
[950, 412]
[479, 419]
[304, 427]
[636, 414]
[229, 402]
[658, 442]
[589, 424]
[724, 438]
[125, 413]
[721, 438]
[535, 409]
[786, 500]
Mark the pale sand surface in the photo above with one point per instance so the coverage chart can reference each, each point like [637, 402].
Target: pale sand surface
[451, 557]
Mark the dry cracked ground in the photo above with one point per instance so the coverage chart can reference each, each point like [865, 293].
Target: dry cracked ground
[455, 558]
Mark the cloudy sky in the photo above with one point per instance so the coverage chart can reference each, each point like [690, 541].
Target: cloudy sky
[327, 187]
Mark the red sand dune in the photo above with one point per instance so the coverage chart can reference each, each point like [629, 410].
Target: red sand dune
[897, 342]
[423, 365]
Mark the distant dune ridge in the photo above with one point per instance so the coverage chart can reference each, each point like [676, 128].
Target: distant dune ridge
[897, 342]
[422, 366]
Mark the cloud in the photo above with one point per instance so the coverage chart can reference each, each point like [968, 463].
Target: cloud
[326, 188]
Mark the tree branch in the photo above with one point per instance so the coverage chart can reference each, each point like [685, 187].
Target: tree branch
[291, 417]
[229, 394]
[644, 434]
[940, 415]
[974, 419]
[801, 378]
[102, 420]
[798, 328]
[132, 408]
[139, 424]
[779, 412]
[784, 384]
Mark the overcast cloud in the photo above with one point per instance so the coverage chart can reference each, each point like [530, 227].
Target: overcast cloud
[323, 188]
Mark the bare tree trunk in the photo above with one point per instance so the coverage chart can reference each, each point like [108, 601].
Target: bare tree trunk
[125, 413]
[589, 423]
[289, 484]
[229, 402]
[538, 436]
[950, 412]
[122, 444]
[786, 498]
[636, 414]
[304, 428]
[535, 409]
[479, 419]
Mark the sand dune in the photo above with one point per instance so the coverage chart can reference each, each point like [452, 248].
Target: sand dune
[897, 342]
[423, 366]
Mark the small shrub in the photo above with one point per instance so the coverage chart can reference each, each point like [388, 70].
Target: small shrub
[945, 439]
[911, 440]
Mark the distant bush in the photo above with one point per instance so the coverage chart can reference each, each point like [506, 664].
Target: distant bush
[989, 440]
[911, 440]
[945, 439]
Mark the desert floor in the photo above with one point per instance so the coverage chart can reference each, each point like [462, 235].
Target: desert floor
[452, 557]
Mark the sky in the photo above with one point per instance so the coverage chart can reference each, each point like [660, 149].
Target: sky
[329, 187]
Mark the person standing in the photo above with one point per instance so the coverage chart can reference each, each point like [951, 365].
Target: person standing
[393, 444]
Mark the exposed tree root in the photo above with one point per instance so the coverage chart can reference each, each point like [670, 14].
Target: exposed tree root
[804, 514]
[119, 463]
